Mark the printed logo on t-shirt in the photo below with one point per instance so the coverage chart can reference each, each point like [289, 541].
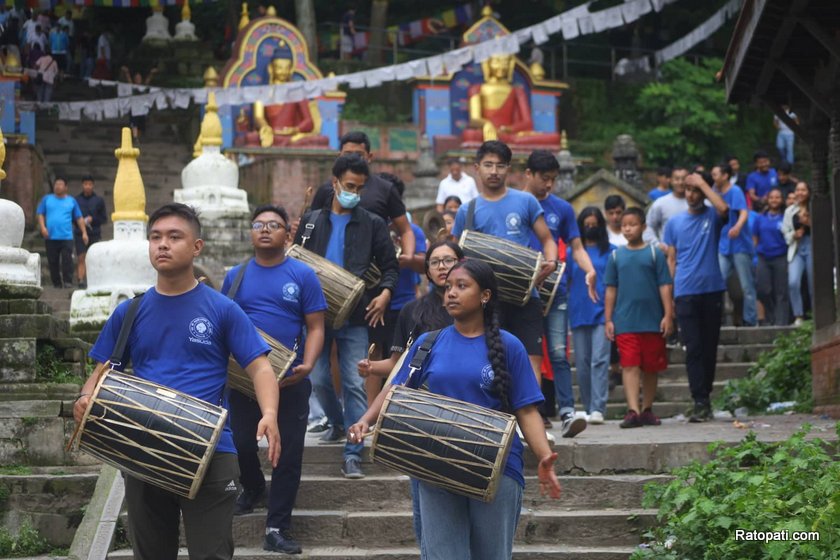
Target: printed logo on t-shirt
[487, 375]
[707, 225]
[291, 292]
[201, 329]
[553, 220]
[513, 222]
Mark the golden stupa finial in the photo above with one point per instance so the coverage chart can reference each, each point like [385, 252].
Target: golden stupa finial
[271, 12]
[211, 124]
[2, 155]
[564, 141]
[487, 11]
[129, 193]
[244, 20]
[211, 77]
[186, 14]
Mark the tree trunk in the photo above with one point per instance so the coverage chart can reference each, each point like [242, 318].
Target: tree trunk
[378, 19]
[305, 12]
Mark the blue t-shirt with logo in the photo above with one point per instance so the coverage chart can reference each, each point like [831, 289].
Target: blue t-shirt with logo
[583, 312]
[762, 183]
[408, 279]
[278, 298]
[655, 193]
[696, 238]
[511, 217]
[335, 246]
[637, 275]
[59, 214]
[767, 229]
[458, 367]
[736, 200]
[183, 342]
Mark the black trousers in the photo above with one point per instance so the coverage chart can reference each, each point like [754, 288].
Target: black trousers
[60, 257]
[699, 319]
[154, 515]
[292, 418]
[772, 289]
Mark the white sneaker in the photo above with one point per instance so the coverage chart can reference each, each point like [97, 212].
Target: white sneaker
[596, 418]
[797, 322]
[581, 414]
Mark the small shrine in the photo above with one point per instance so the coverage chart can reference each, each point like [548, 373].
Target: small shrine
[271, 51]
[500, 98]
[157, 28]
[185, 29]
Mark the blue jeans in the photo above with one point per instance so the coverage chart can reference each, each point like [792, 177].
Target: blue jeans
[556, 330]
[415, 510]
[592, 358]
[801, 262]
[352, 346]
[742, 262]
[457, 527]
[784, 143]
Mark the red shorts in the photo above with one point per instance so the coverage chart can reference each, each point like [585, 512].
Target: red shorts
[643, 350]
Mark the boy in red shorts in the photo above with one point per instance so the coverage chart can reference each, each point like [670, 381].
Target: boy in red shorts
[638, 308]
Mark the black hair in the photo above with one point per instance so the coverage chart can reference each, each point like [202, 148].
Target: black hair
[279, 210]
[88, 178]
[784, 167]
[450, 213]
[542, 161]
[666, 171]
[706, 177]
[429, 313]
[679, 168]
[484, 276]
[603, 239]
[452, 197]
[453, 161]
[183, 211]
[725, 168]
[394, 180]
[355, 137]
[60, 178]
[614, 201]
[760, 154]
[634, 211]
[729, 157]
[767, 204]
[494, 147]
[350, 162]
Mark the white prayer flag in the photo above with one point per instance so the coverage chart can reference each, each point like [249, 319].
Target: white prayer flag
[570, 28]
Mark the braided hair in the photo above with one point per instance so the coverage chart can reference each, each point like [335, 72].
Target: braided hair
[429, 313]
[483, 275]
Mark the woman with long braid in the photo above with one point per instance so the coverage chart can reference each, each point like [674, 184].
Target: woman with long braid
[475, 361]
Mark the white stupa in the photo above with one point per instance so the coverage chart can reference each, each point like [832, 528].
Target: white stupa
[20, 270]
[157, 27]
[119, 269]
[185, 29]
[211, 181]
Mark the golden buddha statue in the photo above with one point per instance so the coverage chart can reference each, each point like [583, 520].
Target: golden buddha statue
[500, 110]
[292, 124]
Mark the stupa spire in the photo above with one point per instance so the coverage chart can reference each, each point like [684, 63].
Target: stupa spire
[129, 193]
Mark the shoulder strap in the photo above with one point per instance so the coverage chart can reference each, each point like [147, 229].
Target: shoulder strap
[125, 330]
[653, 254]
[231, 293]
[471, 214]
[309, 226]
[422, 353]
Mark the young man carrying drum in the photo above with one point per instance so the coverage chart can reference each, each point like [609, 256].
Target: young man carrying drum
[182, 336]
[281, 296]
[351, 237]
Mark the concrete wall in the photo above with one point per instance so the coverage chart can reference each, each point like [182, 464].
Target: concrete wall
[25, 175]
[825, 369]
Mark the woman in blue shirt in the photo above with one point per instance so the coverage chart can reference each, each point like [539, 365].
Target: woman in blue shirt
[586, 318]
[772, 273]
[475, 361]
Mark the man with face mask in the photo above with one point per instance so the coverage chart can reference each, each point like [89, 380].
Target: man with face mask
[352, 238]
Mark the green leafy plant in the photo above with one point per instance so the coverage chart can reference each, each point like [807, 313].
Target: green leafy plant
[49, 367]
[27, 542]
[753, 486]
[780, 375]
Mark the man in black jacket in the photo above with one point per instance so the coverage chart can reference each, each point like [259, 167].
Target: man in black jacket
[353, 238]
[93, 211]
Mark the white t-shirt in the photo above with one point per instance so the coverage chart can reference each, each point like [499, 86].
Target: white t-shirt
[102, 45]
[616, 239]
[465, 189]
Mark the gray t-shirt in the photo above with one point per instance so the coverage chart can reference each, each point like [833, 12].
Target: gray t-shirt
[662, 210]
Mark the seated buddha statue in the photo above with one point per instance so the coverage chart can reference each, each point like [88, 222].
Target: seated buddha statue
[500, 110]
[292, 124]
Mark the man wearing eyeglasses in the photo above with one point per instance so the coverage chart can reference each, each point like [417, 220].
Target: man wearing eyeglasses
[281, 296]
[351, 237]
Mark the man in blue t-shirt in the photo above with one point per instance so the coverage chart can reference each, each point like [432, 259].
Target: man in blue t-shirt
[692, 239]
[541, 173]
[736, 246]
[182, 337]
[56, 214]
[283, 298]
[760, 181]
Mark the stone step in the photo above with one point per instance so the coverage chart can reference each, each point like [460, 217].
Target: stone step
[665, 392]
[520, 552]
[729, 353]
[36, 391]
[17, 360]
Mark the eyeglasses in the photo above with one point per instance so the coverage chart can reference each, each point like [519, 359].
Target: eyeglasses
[492, 166]
[270, 226]
[447, 262]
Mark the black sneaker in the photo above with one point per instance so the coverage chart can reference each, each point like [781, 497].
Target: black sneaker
[572, 426]
[318, 426]
[246, 501]
[702, 413]
[352, 468]
[275, 541]
[335, 434]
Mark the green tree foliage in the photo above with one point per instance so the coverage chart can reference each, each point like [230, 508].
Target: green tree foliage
[685, 116]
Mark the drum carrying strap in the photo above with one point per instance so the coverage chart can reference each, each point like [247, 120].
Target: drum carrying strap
[308, 227]
[231, 293]
[125, 329]
[422, 353]
[470, 214]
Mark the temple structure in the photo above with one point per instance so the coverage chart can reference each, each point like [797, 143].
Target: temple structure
[157, 28]
[185, 29]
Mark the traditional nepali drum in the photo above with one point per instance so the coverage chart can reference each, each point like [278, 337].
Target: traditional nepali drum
[151, 432]
[448, 443]
[372, 276]
[516, 266]
[342, 289]
[281, 359]
[548, 289]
